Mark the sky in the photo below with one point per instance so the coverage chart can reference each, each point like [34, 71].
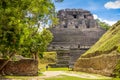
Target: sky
[105, 10]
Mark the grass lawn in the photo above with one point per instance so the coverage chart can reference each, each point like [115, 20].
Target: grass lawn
[17, 77]
[42, 68]
[58, 69]
[64, 77]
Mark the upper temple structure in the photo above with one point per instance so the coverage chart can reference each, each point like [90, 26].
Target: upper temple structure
[76, 32]
[76, 18]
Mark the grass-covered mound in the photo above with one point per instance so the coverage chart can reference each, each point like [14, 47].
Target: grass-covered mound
[103, 57]
[108, 42]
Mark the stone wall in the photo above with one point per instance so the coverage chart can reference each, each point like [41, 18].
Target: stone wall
[24, 67]
[76, 18]
[104, 64]
[76, 32]
[63, 58]
[74, 41]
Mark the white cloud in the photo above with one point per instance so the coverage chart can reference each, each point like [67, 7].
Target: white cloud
[109, 22]
[112, 5]
[95, 16]
[103, 20]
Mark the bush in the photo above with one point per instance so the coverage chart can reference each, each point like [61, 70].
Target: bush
[48, 57]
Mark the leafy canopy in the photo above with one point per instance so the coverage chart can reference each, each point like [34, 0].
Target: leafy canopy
[20, 21]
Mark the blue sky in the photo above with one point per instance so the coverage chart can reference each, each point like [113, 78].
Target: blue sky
[105, 10]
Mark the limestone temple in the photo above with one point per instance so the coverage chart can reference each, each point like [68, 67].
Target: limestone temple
[76, 33]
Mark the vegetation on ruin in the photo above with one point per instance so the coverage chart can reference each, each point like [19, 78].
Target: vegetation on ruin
[104, 25]
[108, 42]
[117, 70]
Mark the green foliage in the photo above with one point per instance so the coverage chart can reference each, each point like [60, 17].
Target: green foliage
[46, 38]
[20, 21]
[37, 43]
[48, 57]
[59, 0]
[103, 24]
[107, 42]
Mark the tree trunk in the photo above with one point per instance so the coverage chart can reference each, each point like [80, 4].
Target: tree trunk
[33, 55]
[36, 56]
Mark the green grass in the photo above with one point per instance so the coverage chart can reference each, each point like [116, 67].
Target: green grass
[64, 77]
[58, 69]
[61, 77]
[48, 57]
[17, 77]
[107, 42]
[91, 74]
[42, 68]
[54, 69]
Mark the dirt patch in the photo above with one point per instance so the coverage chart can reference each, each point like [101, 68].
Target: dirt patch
[48, 74]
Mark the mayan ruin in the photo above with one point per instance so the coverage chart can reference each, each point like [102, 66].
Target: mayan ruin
[76, 32]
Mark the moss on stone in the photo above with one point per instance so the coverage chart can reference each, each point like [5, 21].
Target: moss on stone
[103, 57]
[107, 42]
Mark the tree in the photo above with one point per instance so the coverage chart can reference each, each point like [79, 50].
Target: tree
[37, 44]
[59, 0]
[20, 20]
[103, 24]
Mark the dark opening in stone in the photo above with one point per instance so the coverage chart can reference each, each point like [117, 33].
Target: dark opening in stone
[88, 26]
[53, 47]
[65, 26]
[84, 16]
[75, 16]
[78, 45]
[76, 26]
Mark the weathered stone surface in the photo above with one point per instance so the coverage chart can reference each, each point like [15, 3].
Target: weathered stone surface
[76, 18]
[24, 67]
[77, 32]
[104, 64]
[104, 57]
